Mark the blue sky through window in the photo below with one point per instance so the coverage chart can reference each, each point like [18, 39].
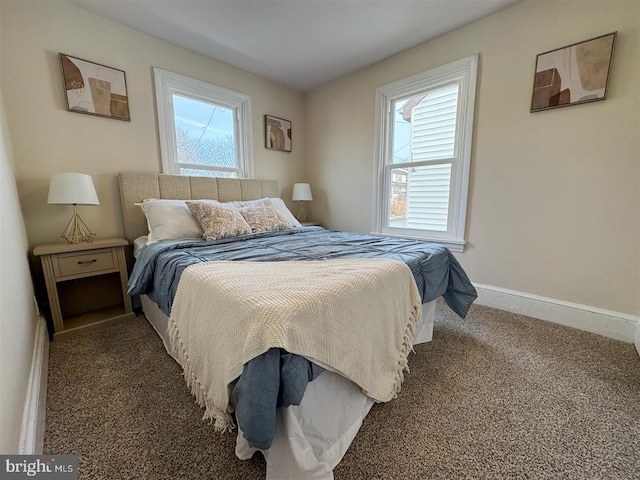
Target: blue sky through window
[401, 135]
[194, 116]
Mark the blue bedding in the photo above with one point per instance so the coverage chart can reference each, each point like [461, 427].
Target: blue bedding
[277, 378]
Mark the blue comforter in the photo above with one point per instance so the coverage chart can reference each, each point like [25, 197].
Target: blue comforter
[278, 378]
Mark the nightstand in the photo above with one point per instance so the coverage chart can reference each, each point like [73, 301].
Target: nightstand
[86, 284]
[310, 224]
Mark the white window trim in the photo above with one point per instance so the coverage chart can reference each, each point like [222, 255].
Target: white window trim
[464, 71]
[169, 83]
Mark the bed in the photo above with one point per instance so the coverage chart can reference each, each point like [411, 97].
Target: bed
[310, 438]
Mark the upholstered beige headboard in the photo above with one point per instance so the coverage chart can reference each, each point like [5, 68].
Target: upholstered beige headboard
[136, 186]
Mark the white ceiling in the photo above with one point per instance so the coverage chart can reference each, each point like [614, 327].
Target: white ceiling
[300, 43]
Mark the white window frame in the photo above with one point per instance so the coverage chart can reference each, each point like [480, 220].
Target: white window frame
[464, 72]
[168, 84]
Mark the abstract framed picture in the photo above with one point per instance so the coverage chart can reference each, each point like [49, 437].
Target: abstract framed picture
[574, 74]
[94, 89]
[277, 133]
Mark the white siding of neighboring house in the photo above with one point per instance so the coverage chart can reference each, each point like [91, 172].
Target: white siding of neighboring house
[433, 125]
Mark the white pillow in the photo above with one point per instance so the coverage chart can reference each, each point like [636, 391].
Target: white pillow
[169, 220]
[284, 212]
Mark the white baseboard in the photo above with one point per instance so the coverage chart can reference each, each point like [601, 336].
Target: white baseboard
[620, 326]
[32, 436]
[638, 339]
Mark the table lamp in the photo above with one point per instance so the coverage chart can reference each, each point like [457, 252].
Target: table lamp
[302, 193]
[74, 189]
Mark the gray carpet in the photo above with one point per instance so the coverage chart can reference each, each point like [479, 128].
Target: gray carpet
[496, 396]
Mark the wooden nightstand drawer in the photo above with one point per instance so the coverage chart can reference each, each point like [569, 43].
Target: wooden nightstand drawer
[66, 264]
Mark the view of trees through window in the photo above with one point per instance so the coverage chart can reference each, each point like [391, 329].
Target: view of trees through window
[205, 138]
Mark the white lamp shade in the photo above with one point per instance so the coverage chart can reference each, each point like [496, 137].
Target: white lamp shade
[301, 192]
[70, 188]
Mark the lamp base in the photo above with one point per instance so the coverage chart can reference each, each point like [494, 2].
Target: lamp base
[77, 231]
[302, 214]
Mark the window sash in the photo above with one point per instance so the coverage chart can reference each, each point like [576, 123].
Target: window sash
[236, 130]
[464, 73]
[388, 162]
[168, 84]
[212, 168]
[388, 179]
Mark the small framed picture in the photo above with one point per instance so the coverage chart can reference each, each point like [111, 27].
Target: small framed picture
[94, 89]
[277, 133]
[574, 74]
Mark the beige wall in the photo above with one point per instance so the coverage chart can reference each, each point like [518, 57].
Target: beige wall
[47, 138]
[17, 311]
[554, 206]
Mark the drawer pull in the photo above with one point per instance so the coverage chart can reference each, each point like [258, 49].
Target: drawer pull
[84, 262]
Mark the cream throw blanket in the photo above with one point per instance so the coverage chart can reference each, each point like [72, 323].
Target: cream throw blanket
[355, 317]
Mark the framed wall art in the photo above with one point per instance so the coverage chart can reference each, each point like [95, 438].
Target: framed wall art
[574, 74]
[94, 89]
[277, 133]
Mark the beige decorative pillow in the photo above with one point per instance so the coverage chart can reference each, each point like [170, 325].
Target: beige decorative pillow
[218, 220]
[278, 204]
[262, 216]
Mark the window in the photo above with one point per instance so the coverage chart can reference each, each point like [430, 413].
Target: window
[204, 129]
[423, 154]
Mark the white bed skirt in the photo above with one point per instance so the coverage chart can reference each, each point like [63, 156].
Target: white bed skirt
[311, 438]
